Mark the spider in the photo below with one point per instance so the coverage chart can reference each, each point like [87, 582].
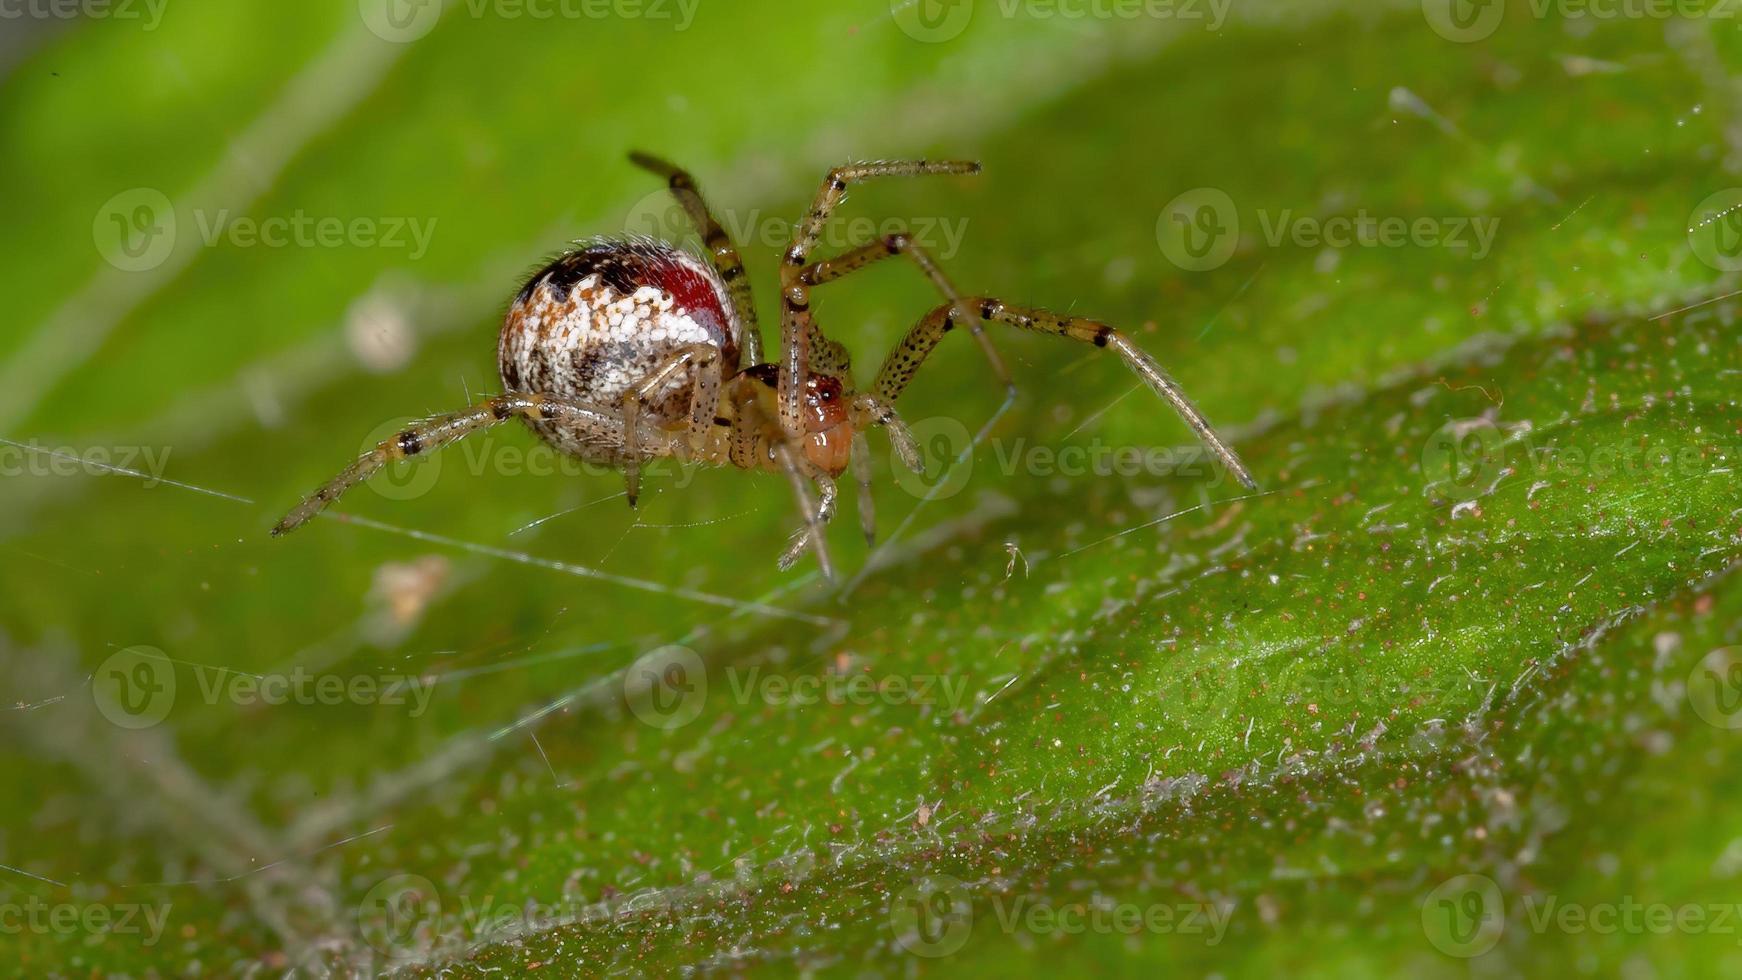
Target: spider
[621, 351]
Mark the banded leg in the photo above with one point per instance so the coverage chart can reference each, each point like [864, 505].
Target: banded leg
[899, 243]
[704, 400]
[796, 326]
[869, 410]
[721, 251]
[433, 433]
[898, 369]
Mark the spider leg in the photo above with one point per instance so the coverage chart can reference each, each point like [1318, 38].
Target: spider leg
[825, 513]
[797, 330]
[898, 369]
[721, 251]
[437, 431]
[899, 243]
[815, 514]
[704, 399]
[868, 410]
[861, 459]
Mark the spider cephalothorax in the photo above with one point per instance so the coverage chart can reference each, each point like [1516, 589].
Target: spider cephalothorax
[625, 350]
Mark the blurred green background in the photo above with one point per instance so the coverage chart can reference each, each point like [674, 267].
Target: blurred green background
[1462, 666]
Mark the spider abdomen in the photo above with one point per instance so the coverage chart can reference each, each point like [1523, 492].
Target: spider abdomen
[602, 317]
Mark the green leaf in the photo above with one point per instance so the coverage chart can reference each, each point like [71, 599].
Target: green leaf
[1460, 665]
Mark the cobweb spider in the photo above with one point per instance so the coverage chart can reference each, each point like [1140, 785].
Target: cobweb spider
[622, 351]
